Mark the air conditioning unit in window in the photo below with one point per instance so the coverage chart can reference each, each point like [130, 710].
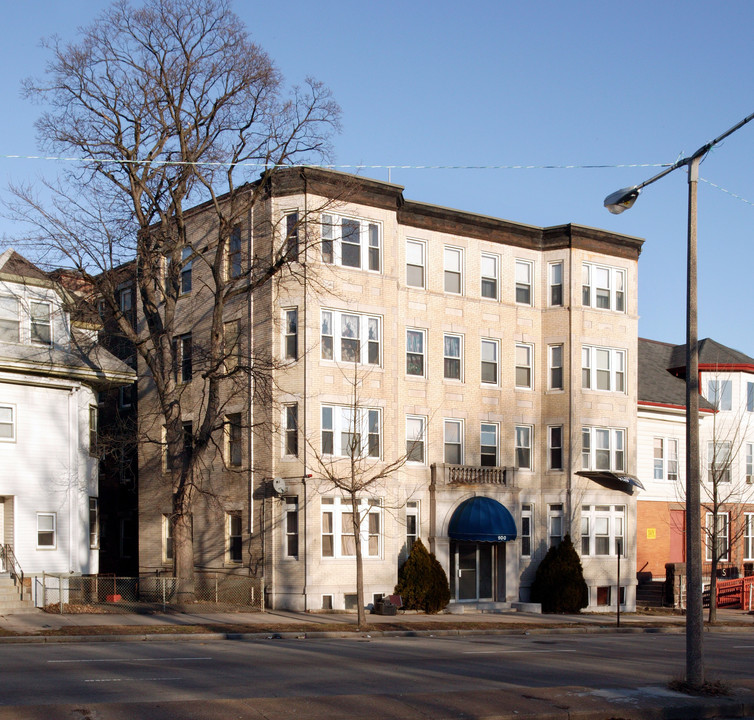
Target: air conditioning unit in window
[750, 479]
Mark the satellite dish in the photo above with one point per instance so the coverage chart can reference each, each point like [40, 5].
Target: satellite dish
[278, 485]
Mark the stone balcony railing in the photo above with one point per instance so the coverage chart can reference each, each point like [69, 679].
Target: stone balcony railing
[472, 475]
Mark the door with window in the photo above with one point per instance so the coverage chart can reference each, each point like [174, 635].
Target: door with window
[473, 571]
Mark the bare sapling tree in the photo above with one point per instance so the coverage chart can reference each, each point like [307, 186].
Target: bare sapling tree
[353, 463]
[167, 105]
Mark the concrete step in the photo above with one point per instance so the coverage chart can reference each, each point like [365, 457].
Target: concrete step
[459, 608]
[650, 594]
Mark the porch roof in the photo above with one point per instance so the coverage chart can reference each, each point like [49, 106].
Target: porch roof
[482, 519]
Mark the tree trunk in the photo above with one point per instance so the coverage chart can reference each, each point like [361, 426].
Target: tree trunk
[183, 549]
[361, 617]
[713, 586]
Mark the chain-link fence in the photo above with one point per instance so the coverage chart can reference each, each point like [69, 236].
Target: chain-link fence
[64, 593]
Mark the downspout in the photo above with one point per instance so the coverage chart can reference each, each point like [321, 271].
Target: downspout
[249, 387]
[304, 408]
[569, 465]
[73, 475]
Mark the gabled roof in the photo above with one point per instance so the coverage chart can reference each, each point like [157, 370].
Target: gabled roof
[712, 356]
[13, 264]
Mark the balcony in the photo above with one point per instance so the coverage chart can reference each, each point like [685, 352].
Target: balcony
[443, 474]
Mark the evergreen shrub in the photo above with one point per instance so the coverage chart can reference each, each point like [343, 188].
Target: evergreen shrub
[559, 583]
[422, 582]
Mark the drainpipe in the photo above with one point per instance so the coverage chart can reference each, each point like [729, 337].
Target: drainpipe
[304, 506]
[73, 476]
[569, 489]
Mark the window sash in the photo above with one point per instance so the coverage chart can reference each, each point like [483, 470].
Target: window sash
[291, 334]
[603, 369]
[186, 270]
[603, 530]
[358, 337]
[720, 540]
[453, 270]
[488, 444]
[526, 529]
[524, 366]
[234, 537]
[7, 423]
[603, 287]
[556, 284]
[415, 439]
[523, 447]
[235, 268]
[415, 263]
[345, 430]
[235, 445]
[489, 362]
[351, 242]
[720, 394]
[453, 441]
[523, 282]
[338, 528]
[555, 442]
[556, 367]
[41, 328]
[10, 322]
[415, 352]
[489, 272]
[46, 530]
[603, 449]
[452, 351]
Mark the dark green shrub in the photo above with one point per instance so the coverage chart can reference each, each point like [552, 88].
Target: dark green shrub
[559, 583]
[422, 582]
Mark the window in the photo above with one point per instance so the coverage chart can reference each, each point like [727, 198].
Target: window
[555, 524]
[556, 367]
[41, 333]
[489, 361]
[291, 334]
[7, 423]
[526, 526]
[415, 352]
[453, 264]
[9, 321]
[351, 242]
[749, 460]
[412, 524]
[749, 395]
[488, 441]
[415, 263]
[523, 282]
[126, 300]
[232, 345]
[234, 537]
[719, 393]
[489, 267]
[555, 446]
[556, 284]
[234, 268]
[46, 539]
[338, 528]
[721, 544]
[603, 287]
[291, 236]
[182, 358]
[523, 366]
[523, 447]
[93, 522]
[719, 461]
[603, 449]
[350, 431]
[291, 430]
[748, 536]
[125, 396]
[358, 337]
[186, 264]
[603, 369]
[415, 432]
[167, 538]
[603, 529]
[453, 439]
[452, 361]
[290, 523]
[665, 459]
[92, 429]
[234, 436]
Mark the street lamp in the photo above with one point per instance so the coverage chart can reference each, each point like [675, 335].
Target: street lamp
[617, 203]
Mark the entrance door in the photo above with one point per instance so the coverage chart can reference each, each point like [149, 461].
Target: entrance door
[473, 568]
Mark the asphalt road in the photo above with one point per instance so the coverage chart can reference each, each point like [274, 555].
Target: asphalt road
[131, 674]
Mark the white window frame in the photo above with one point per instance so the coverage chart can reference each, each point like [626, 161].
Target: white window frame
[365, 340]
[555, 371]
[421, 353]
[340, 507]
[602, 524]
[233, 426]
[453, 267]
[230, 536]
[37, 323]
[591, 288]
[452, 358]
[168, 544]
[527, 528]
[369, 232]
[724, 535]
[183, 358]
[750, 396]
[593, 448]
[10, 318]
[290, 243]
[555, 524]
[523, 441]
[748, 536]
[749, 463]
[447, 424]
[416, 440]
[54, 530]
[416, 250]
[665, 458]
[234, 255]
[290, 430]
[125, 300]
[93, 429]
[720, 394]
[290, 333]
[495, 345]
[552, 268]
[554, 444]
[7, 409]
[340, 420]
[487, 278]
[593, 374]
[488, 430]
[186, 276]
[524, 287]
[719, 452]
[93, 522]
[412, 524]
[291, 528]
[524, 361]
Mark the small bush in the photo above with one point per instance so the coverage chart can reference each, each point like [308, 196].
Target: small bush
[422, 582]
[559, 583]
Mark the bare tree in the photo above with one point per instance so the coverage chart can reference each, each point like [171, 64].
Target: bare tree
[168, 105]
[359, 473]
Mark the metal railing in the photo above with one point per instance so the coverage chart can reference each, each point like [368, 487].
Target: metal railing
[8, 563]
[737, 593]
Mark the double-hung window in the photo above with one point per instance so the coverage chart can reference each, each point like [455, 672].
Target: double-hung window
[749, 393]
[93, 522]
[665, 458]
[234, 266]
[603, 369]
[291, 430]
[290, 510]
[603, 530]
[348, 337]
[555, 446]
[351, 242]
[349, 431]
[749, 460]
[41, 328]
[186, 269]
[415, 438]
[453, 439]
[603, 287]
[415, 352]
[291, 236]
[555, 524]
[10, 324]
[453, 267]
[291, 333]
[720, 394]
[718, 538]
[415, 263]
[490, 265]
[452, 356]
[234, 437]
[526, 528]
[556, 284]
[523, 282]
[603, 449]
[182, 367]
[524, 366]
[488, 441]
[338, 527]
[7, 423]
[523, 435]
[93, 419]
[233, 537]
[748, 536]
[490, 361]
[556, 367]
[719, 461]
[412, 524]
[232, 339]
[46, 529]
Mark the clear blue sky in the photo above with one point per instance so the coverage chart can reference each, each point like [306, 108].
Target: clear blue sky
[512, 83]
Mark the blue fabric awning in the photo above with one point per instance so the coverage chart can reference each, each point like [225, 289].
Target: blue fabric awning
[482, 519]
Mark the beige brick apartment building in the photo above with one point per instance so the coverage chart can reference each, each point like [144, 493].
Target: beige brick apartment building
[499, 359]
